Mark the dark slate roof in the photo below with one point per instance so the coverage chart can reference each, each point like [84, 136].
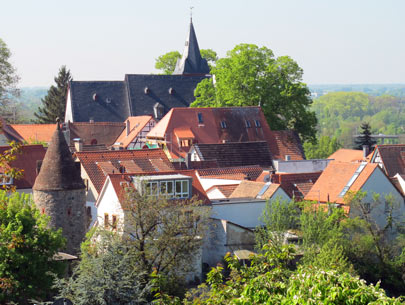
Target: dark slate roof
[58, 170]
[111, 104]
[191, 61]
[158, 88]
[136, 95]
[236, 154]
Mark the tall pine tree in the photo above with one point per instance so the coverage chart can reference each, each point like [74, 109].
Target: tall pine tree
[365, 137]
[54, 103]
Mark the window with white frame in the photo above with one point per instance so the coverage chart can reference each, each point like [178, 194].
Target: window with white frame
[168, 188]
[5, 179]
[152, 188]
[182, 189]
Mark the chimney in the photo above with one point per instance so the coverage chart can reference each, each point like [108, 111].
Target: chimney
[78, 144]
[287, 157]
[128, 127]
[366, 151]
[188, 160]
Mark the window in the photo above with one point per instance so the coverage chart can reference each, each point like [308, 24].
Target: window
[114, 222]
[257, 124]
[247, 124]
[152, 189]
[182, 189]
[223, 124]
[166, 188]
[106, 220]
[200, 118]
[5, 179]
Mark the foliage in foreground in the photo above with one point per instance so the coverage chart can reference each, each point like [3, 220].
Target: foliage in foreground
[271, 279]
[27, 248]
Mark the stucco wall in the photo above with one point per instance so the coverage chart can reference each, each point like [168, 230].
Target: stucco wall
[109, 204]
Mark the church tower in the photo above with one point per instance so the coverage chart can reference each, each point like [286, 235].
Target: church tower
[59, 192]
[191, 63]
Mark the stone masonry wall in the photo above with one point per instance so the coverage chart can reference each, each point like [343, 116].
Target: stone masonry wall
[66, 209]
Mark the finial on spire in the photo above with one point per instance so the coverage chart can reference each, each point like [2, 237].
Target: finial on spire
[191, 13]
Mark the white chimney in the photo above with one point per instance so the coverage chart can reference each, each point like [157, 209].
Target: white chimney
[78, 144]
[128, 127]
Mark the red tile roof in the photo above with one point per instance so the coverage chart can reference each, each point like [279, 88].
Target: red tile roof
[136, 124]
[226, 189]
[146, 159]
[102, 133]
[295, 184]
[393, 158]
[233, 173]
[347, 155]
[251, 189]
[35, 132]
[335, 177]
[27, 161]
[221, 125]
[197, 189]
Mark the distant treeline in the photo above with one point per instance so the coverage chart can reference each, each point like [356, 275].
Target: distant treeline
[371, 89]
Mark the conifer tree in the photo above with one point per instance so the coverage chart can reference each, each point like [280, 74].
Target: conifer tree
[365, 137]
[54, 103]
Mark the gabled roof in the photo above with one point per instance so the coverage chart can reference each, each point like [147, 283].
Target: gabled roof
[235, 154]
[226, 189]
[329, 186]
[191, 62]
[58, 170]
[232, 173]
[227, 124]
[100, 133]
[347, 155]
[296, 185]
[26, 161]
[100, 101]
[392, 157]
[120, 180]
[146, 160]
[35, 132]
[253, 189]
[9, 133]
[136, 124]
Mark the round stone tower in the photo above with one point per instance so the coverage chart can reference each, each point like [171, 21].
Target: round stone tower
[59, 192]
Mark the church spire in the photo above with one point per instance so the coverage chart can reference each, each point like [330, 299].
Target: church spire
[191, 62]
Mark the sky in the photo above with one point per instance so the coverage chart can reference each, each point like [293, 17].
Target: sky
[335, 42]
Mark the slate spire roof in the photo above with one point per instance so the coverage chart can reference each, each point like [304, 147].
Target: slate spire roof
[58, 170]
[191, 62]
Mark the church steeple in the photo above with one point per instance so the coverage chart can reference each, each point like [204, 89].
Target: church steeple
[191, 63]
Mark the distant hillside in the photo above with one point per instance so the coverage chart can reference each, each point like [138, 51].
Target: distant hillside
[29, 101]
[371, 89]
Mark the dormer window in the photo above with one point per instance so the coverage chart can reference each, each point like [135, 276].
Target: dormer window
[158, 110]
[176, 187]
[223, 124]
[247, 124]
[257, 124]
[200, 118]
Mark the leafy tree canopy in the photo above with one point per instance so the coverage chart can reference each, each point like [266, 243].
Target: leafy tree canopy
[54, 103]
[323, 149]
[167, 62]
[252, 76]
[8, 82]
[27, 247]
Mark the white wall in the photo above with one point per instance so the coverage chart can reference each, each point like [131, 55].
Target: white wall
[301, 166]
[215, 193]
[109, 203]
[206, 183]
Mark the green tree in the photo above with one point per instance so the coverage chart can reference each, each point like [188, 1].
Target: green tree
[365, 137]
[167, 62]
[8, 82]
[323, 149]
[108, 273]
[252, 76]
[54, 103]
[27, 247]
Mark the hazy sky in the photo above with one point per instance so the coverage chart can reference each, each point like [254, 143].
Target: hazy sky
[345, 41]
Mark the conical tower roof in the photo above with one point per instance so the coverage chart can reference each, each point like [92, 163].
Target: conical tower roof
[58, 170]
[191, 62]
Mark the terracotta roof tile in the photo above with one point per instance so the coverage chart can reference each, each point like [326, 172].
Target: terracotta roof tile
[136, 124]
[242, 172]
[270, 191]
[347, 155]
[226, 189]
[392, 157]
[183, 133]
[335, 177]
[27, 161]
[295, 184]
[247, 189]
[229, 124]
[107, 167]
[35, 132]
[141, 158]
[130, 166]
